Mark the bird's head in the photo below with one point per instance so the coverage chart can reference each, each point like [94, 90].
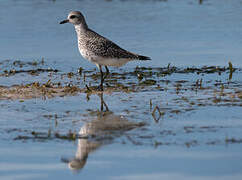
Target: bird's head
[75, 17]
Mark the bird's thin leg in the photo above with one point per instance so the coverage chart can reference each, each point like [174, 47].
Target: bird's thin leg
[102, 78]
[107, 72]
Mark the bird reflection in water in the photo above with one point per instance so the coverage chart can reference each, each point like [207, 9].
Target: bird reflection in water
[103, 129]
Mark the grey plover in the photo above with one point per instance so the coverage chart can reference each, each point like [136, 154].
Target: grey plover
[98, 49]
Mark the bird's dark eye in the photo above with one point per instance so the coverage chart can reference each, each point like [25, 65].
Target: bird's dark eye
[72, 16]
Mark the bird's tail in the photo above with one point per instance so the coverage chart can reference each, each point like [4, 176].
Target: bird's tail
[143, 58]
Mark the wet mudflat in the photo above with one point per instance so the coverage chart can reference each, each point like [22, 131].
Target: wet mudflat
[148, 122]
[175, 117]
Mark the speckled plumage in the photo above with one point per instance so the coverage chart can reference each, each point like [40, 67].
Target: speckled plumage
[101, 46]
[98, 49]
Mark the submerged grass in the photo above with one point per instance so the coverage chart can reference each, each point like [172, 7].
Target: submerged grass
[202, 87]
[37, 90]
[140, 80]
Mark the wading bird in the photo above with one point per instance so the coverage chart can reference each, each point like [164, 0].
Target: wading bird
[98, 49]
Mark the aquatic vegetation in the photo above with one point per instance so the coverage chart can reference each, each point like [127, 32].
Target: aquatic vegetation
[37, 90]
[153, 95]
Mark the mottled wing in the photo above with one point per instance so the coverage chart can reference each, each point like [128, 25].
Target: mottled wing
[103, 47]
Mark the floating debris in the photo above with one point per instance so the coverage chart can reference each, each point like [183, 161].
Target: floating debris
[148, 82]
[231, 70]
[154, 114]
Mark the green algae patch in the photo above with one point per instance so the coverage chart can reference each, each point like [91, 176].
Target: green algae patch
[44, 136]
[148, 82]
[219, 83]
[33, 72]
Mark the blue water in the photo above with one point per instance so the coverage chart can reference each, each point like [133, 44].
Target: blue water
[122, 162]
[187, 145]
[182, 33]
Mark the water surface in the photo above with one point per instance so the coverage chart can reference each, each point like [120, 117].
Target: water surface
[165, 122]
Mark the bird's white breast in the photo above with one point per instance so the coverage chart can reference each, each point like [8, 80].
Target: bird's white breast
[84, 52]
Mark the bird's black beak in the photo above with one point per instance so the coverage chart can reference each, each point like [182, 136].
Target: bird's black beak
[65, 21]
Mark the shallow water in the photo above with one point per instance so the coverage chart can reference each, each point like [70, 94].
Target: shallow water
[163, 122]
[182, 33]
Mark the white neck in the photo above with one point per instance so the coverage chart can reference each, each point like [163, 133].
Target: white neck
[80, 28]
